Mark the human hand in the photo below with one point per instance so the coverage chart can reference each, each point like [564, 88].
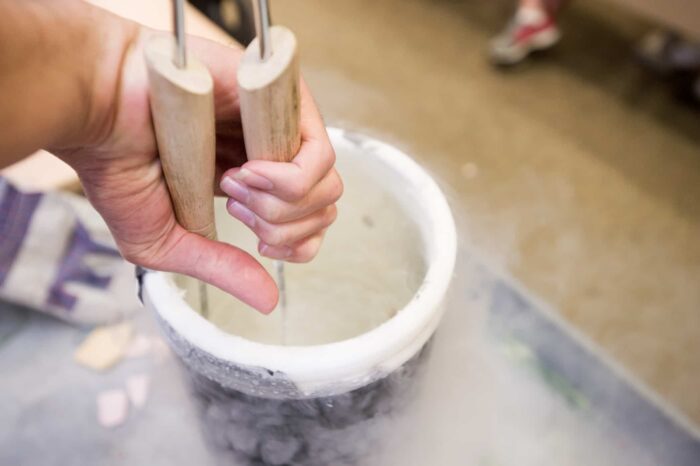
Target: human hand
[287, 205]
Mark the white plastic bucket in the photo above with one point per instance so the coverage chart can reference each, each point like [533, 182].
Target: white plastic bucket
[305, 382]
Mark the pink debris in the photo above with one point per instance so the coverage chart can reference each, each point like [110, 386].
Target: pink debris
[112, 408]
[137, 387]
[139, 346]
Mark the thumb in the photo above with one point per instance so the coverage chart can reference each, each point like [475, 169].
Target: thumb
[222, 265]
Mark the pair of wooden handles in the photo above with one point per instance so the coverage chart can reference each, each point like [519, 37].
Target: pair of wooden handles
[182, 107]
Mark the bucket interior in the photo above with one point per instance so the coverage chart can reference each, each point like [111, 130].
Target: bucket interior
[372, 262]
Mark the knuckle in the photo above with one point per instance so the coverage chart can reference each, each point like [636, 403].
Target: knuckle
[298, 190]
[272, 236]
[263, 231]
[337, 187]
[330, 215]
[304, 256]
[271, 212]
[308, 250]
[330, 155]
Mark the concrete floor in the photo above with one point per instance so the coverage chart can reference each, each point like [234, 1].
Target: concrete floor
[575, 172]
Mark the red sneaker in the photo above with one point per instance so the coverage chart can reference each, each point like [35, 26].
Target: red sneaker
[530, 30]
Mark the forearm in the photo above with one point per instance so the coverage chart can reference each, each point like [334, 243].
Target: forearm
[59, 72]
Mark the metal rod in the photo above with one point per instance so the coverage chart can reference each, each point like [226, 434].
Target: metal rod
[279, 269]
[203, 300]
[262, 28]
[179, 29]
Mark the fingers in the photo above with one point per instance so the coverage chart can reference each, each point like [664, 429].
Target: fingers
[294, 180]
[303, 251]
[275, 210]
[288, 205]
[291, 232]
[222, 265]
[286, 233]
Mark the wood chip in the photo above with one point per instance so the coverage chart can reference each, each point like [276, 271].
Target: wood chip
[104, 346]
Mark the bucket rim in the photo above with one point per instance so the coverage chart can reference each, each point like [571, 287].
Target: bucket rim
[358, 360]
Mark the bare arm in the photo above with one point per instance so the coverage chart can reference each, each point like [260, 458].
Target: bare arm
[59, 64]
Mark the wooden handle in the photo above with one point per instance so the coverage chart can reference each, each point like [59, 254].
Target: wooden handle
[182, 105]
[269, 97]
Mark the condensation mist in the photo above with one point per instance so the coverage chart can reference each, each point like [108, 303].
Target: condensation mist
[474, 401]
[480, 402]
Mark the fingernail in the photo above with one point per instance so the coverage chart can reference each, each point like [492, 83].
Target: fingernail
[235, 189]
[241, 212]
[253, 179]
[275, 252]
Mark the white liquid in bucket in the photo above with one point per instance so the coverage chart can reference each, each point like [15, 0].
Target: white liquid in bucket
[369, 267]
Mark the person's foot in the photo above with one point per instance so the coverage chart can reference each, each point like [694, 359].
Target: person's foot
[529, 30]
[665, 52]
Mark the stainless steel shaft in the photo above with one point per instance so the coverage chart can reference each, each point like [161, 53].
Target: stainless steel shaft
[179, 30]
[262, 27]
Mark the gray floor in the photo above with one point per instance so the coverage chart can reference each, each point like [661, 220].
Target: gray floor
[576, 172]
[528, 391]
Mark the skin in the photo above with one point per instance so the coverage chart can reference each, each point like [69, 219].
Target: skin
[73, 81]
